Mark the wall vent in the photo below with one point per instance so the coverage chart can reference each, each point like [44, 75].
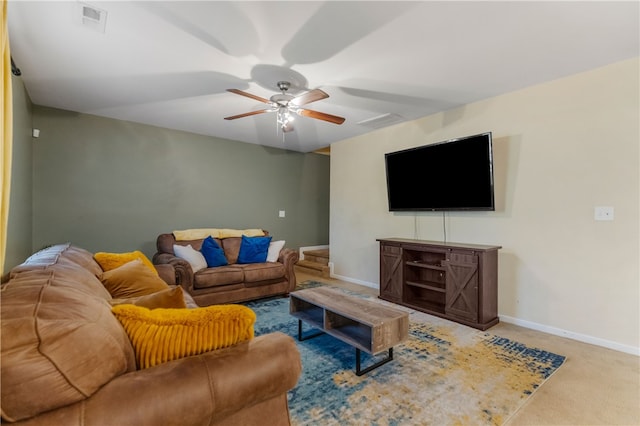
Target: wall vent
[92, 17]
[381, 121]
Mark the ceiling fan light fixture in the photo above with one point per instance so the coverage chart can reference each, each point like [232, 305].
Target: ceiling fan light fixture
[284, 117]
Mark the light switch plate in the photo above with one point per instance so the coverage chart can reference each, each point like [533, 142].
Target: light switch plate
[603, 213]
[281, 213]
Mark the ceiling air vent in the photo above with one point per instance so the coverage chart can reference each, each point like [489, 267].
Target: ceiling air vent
[92, 17]
[381, 121]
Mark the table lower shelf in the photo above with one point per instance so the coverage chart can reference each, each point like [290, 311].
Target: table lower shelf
[359, 370]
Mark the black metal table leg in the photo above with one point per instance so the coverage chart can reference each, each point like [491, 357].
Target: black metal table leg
[360, 372]
[300, 338]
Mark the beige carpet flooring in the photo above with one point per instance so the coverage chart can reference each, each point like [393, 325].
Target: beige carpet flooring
[595, 385]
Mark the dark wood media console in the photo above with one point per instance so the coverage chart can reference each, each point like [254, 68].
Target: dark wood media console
[455, 281]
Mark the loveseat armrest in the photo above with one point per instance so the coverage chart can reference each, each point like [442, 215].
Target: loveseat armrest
[183, 271]
[197, 390]
[288, 258]
[167, 272]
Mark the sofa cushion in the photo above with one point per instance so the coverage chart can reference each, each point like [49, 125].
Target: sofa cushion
[222, 275]
[268, 271]
[275, 247]
[162, 335]
[188, 300]
[109, 261]
[231, 247]
[253, 249]
[165, 242]
[131, 280]
[169, 298]
[59, 341]
[68, 276]
[60, 254]
[194, 257]
[213, 253]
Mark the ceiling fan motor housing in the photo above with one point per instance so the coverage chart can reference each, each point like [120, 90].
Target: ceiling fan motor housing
[281, 100]
[284, 86]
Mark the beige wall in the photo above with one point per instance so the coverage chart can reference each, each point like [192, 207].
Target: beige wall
[560, 149]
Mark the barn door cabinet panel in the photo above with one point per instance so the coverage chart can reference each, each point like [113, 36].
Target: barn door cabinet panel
[391, 272]
[451, 280]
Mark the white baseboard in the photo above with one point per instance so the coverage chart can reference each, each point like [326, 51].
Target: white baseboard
[301, 250]
[572, 335]
[352, 280]
[533, 326]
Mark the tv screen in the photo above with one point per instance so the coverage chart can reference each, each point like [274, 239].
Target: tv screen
[452, 175]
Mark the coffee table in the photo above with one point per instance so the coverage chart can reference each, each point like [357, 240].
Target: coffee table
[363, 324]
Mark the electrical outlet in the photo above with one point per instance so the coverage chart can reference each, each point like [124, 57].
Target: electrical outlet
[603, 213]
[281, 213]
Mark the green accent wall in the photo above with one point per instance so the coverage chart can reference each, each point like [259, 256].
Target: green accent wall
[20, 202]
[111, 185]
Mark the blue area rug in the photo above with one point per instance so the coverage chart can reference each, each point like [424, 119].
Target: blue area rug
[444, 374]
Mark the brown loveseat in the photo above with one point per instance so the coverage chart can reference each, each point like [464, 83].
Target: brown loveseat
[231, 283]
[66, 360]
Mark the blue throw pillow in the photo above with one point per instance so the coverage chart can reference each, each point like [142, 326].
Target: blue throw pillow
[253, 249]
[213, 253]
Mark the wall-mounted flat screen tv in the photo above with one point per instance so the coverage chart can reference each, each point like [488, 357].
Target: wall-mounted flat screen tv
[452, 175]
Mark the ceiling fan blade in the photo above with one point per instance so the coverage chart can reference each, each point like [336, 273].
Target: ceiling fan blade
[321, 116]
[308, 97]
[247, 114]
[249, 95]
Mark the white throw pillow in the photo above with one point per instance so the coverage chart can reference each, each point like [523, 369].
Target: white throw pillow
[274, 250]
[194, 257]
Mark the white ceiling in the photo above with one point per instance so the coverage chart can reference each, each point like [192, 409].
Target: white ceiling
[169, 63]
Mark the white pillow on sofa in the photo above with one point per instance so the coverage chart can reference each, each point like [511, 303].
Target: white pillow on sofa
[274, 250]
[194, 257]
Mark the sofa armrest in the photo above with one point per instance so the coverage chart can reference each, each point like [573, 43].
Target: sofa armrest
[197, 390]
[167, 272]
[183, 271]
[288, 258]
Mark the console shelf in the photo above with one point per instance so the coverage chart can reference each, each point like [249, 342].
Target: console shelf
[418, 264]
[426, 286]
[451, 280]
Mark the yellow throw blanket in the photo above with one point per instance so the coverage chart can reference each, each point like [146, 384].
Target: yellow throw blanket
[197, 234]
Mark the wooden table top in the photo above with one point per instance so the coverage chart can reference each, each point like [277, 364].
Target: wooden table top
[356, 308]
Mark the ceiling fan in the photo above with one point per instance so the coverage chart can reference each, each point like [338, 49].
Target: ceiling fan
[284, 104]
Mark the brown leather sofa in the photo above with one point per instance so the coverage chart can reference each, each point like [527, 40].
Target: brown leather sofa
[66, 360]
[231, 283]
